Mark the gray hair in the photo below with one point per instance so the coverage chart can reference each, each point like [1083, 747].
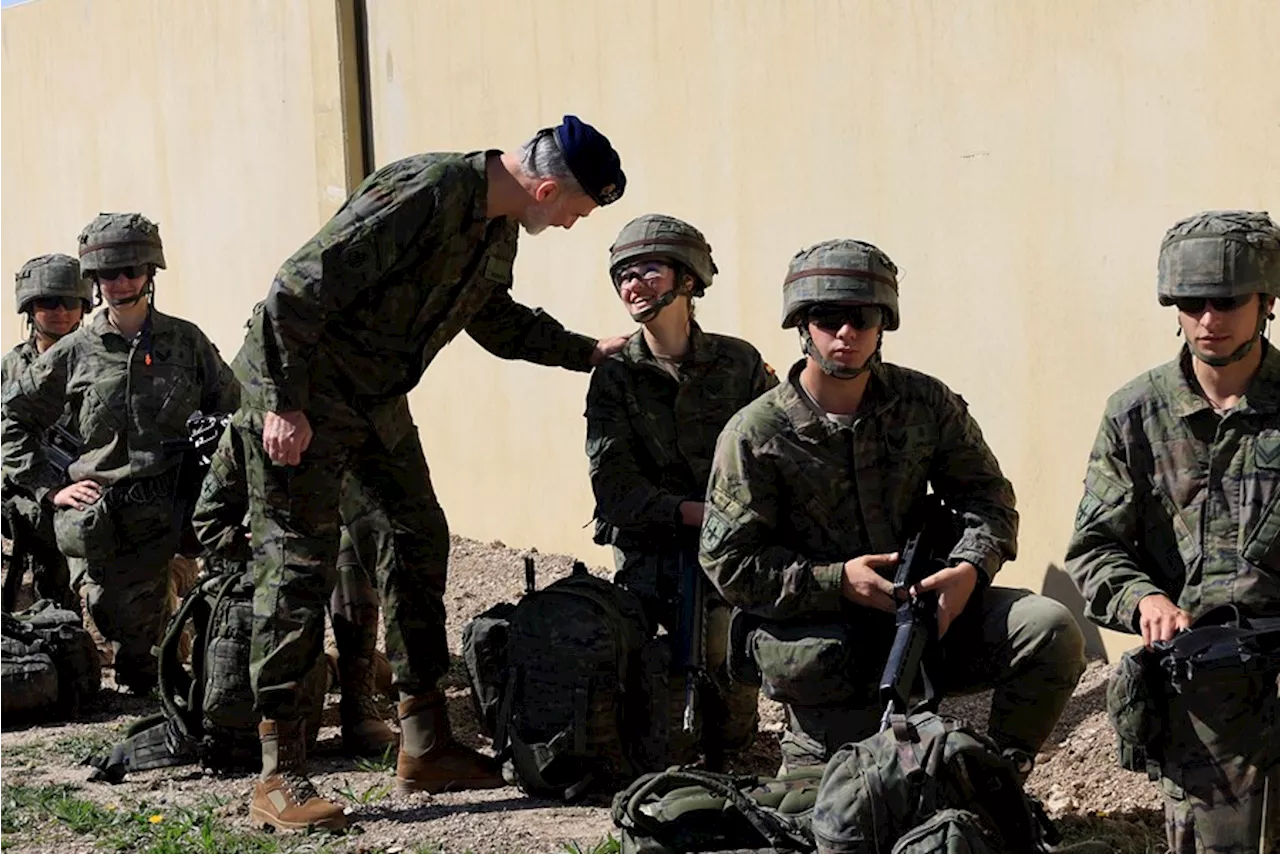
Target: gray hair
[542, 157]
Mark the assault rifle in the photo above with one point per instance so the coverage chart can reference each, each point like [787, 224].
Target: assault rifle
[61, 448]
[916, 621]
[691, 652]
[197, 449]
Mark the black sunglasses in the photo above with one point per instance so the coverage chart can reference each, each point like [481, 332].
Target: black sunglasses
[110, 274]
[832, 318]
[1195, 305]
[50, 303]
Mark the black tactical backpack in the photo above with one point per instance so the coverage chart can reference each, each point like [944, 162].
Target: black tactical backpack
[209, 716]
[49, 666]
[575, 690]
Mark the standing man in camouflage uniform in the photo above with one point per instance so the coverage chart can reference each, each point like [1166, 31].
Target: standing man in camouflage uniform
[130, 379]
[221, 525]
[54, 296]
[812, 491]
[654, 411]
[1181, 513]
[422, 250]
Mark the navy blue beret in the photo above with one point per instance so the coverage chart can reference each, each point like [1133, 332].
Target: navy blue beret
[592, 160]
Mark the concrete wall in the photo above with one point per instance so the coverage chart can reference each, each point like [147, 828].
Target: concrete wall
[1020, 161]
[220, 121]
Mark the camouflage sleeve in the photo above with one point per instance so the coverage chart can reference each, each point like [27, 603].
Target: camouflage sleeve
[219, 515]
[763, 377]
[624, 496]
[221, 393]
[1101, 556]
[351, 253]
[33, 404]
[739, 548]
[510, 330]
[968, 477]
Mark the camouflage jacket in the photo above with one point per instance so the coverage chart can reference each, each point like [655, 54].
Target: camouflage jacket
[650, 437]
[1180, 501]
[409, 261]
[17, 360]
[793, 495]
[129, 401]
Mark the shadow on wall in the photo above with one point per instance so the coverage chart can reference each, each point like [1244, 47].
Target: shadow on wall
[1058, 585]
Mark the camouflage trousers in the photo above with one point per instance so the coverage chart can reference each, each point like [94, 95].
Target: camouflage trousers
[730, 712]
[295, 514]
[1221, 766]
[32, 533]
[1026, 647]
[126, 590]
[353, 606]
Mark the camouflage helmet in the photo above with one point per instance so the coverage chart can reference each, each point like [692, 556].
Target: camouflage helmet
[840, 271]
[51, 276]
[1220, 254]
[665, 237]
[120, 240]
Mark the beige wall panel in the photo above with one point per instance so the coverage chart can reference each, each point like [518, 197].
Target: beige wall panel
[220, 120]
[1019, 160]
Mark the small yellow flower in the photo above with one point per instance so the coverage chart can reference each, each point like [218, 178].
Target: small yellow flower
[110, 807]
[156, 819]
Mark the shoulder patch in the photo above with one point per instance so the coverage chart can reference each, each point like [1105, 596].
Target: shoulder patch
[768, 369]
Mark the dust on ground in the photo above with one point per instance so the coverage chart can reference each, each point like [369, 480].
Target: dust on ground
[1076, 775]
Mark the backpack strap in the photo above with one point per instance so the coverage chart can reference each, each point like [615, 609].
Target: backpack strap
[531, 760]
[151, 744]
[181, 695]
[628, 811]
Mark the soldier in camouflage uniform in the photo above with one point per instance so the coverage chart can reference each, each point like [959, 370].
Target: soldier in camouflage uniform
[222, 528]
[130, 379]
[54, 296]
[812, 490]
[1181, 513]
[421, 251]
[654, 411]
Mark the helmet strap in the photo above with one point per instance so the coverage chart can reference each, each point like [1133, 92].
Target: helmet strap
[832, 368]
[148, 290]
[680, 290]
[1240, 352]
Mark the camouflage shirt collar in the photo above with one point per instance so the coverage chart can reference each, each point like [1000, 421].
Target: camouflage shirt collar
[702, 348]
[808, 419]
[1177, 380]
[479, 161]
[160, 324]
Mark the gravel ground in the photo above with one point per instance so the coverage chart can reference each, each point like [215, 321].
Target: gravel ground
[1076, 775]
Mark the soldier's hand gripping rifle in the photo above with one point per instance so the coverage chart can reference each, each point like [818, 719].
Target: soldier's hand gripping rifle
[691, 654]
[916, 629]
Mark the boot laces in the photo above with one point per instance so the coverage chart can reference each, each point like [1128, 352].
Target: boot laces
[300, 786]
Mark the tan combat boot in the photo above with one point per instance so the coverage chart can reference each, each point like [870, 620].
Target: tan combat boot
[363, 731]
[430, 760]
[283, 797]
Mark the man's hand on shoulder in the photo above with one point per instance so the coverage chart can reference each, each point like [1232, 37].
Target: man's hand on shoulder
[285, 436]
[606, 347]
[1160, 619]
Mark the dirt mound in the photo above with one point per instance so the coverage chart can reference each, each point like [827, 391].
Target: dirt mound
[1076, 775]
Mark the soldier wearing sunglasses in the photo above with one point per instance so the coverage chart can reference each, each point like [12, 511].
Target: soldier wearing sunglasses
[813, 492]
[54, 297]
[130, 378]
[1181, 514]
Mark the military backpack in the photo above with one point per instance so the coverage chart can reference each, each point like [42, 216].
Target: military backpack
[688, 809]
[928, 784]
[209, 716]
[576, 692]
[49, 666]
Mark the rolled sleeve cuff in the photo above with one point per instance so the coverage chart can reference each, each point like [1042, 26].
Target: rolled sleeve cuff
[828, 579]
[577, 350]
[1127, 602]
[988, 563]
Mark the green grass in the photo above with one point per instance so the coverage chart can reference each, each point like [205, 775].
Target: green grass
[80, 745]
[142, 827]
[370, 795]
[379, 764]
[608, 845]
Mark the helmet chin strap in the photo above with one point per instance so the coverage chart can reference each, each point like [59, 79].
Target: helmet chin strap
[658, 305]
[1240, 352]
[832, 368]
[147, 290]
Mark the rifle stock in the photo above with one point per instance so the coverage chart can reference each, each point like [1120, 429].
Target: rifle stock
[691, 633]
